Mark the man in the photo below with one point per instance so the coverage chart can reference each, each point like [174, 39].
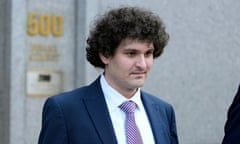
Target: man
[232, 126]
[124, 42]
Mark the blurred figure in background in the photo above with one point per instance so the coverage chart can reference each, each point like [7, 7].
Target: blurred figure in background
[232, 126]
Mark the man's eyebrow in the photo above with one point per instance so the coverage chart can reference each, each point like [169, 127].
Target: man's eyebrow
[130, 49]
[136, 50]
[151, 48]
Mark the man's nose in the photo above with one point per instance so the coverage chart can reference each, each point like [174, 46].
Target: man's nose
[141, 61]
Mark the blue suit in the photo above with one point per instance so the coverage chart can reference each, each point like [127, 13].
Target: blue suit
[232, 126]
[81, 117]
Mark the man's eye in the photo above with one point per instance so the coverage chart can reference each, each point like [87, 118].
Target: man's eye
[150, 53]
[130, 53]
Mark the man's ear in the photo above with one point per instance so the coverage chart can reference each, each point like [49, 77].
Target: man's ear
[104, 59]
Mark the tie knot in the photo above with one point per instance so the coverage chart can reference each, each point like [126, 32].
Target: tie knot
[128, 106]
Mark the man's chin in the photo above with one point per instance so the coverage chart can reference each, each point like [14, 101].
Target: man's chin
[139, 84]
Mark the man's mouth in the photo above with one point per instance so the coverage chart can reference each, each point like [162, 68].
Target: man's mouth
[138, 73]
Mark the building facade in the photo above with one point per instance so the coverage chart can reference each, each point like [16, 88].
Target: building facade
[42, 52]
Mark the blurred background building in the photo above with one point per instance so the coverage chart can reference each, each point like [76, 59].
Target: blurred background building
[42, 52]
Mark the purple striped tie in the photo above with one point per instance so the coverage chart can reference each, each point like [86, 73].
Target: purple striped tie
[132, 132]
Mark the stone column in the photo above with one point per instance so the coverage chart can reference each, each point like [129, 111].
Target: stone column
[4, 70]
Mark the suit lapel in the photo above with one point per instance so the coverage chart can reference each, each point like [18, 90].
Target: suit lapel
[97, 108]
[156, 121]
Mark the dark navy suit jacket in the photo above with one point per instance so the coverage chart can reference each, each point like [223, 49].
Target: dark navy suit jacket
[81, 117]
[232, 126]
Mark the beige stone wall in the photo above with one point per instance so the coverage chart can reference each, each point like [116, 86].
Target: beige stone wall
[199, 72]
[42, 44]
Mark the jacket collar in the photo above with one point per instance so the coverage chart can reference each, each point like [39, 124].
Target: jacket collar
[98, 111]
[155, 117]
[97, 108]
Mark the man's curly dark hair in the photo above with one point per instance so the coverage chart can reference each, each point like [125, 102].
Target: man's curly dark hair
[118, 24]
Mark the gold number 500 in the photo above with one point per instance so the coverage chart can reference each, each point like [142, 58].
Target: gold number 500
[44, 24]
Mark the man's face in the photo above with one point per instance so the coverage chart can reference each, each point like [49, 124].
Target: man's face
[128, 68]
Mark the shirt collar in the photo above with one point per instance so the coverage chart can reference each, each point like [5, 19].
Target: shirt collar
[114, 98]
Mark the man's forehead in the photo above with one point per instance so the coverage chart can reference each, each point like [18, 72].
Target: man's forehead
[129, 41]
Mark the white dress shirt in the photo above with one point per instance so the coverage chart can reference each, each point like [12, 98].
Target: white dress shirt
[113, 100]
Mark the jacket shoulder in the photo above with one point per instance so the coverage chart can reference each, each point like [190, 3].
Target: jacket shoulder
[76, 95]
[154, 99]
